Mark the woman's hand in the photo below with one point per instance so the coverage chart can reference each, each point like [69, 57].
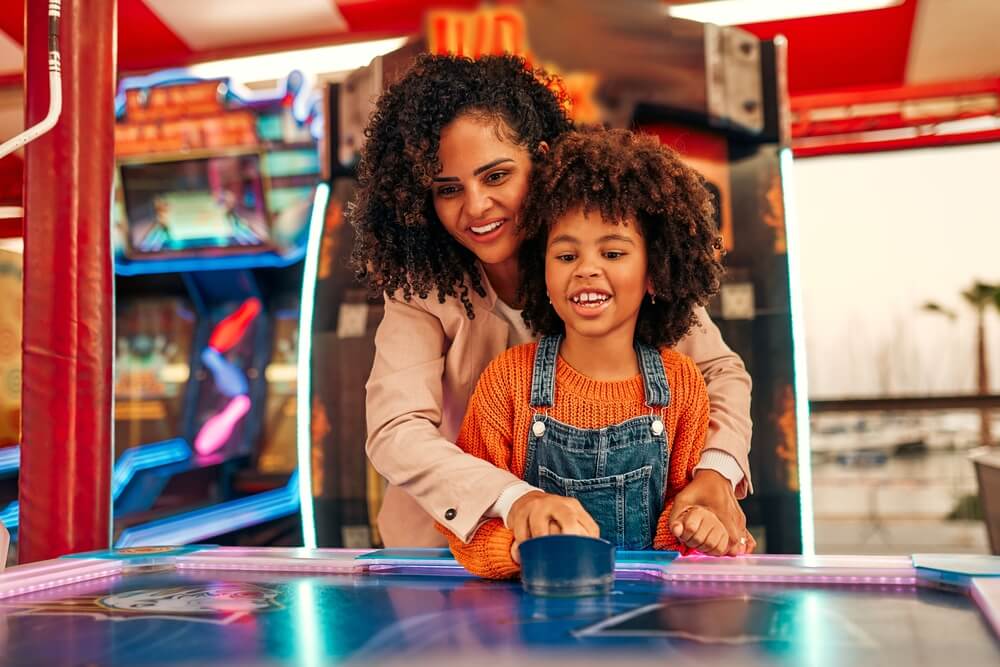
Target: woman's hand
[537, 513]
[711, 491]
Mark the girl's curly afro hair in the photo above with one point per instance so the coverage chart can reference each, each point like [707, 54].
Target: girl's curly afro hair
[400, 245]
[622, 176]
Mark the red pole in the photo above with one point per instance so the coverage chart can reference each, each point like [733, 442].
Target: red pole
[65, 479]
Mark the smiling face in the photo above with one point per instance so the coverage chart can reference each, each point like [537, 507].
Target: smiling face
[595, 273]
[482, 184]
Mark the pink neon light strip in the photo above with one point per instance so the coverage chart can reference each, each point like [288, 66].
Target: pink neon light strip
[55, 573]
[986, 593]
[275, 559]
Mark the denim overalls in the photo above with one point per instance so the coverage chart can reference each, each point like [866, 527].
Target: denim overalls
[618, 473]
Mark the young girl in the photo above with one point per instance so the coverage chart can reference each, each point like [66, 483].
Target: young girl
[442, 179]
[601, 409]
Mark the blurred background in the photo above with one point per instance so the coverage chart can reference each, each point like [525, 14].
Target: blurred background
[853, 148]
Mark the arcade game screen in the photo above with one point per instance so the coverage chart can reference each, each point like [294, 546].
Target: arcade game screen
[292, 174]
[208, 203]
[152, 364]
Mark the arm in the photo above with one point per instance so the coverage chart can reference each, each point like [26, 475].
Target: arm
[487, 433]
[404, 412]
[688, 443]
[729, 394]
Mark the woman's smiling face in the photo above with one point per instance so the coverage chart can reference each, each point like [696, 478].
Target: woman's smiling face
[482, 184]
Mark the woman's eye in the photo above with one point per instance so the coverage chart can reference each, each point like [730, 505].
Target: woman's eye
[495, 177]
[447, 191]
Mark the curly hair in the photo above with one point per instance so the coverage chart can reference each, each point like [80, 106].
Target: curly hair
[626, 176]
[400, 245]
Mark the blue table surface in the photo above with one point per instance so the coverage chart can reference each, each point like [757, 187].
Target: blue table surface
[156, 614]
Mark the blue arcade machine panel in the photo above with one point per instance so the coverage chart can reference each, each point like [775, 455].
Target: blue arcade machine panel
[215, 190]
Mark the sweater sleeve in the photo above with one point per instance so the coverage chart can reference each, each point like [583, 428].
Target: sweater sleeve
[487, 433]
[689, 441]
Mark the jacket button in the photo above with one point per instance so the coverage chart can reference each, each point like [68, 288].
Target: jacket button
[450, 514]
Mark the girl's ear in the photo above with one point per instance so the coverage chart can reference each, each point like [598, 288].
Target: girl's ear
[649, 287]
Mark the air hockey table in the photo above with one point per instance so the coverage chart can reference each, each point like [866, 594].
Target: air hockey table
[285, 606]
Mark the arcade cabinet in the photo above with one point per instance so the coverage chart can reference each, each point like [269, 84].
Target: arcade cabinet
[215, 191]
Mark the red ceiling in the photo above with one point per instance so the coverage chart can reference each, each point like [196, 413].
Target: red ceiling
[12, 20]
[852, 50]
[144, 41]
[826, 53]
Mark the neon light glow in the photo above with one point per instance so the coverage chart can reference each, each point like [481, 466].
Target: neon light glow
[125, 267]
[303, 407]
[308, 633]
[231, 328]
[163, 77]
[10, 460]
[229, 379]
[29, 582]
[134, 460]
[146, 457]
[798, 356]
[10, 516]
[216, 431]
[218, 519]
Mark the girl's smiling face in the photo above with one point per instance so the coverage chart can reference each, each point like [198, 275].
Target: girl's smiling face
[595, 273]
[482, 184]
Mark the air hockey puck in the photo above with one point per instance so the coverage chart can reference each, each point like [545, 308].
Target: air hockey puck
[567, 566]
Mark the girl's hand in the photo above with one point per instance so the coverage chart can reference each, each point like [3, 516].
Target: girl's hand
[698, 528]
[536, 514]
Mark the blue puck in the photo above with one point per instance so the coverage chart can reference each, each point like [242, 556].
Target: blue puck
[567, 566]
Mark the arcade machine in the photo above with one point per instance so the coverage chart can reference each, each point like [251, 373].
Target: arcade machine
[341, 494]
[11, 287]
[215, 191]
[715, 95]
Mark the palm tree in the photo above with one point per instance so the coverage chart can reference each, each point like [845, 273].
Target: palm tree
[980, 296]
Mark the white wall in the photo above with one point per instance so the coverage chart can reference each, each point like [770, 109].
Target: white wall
[881, 234]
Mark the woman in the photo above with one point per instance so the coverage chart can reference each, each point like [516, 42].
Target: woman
[442, 177]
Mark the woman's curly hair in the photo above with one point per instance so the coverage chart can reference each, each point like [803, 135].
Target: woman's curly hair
[626, 176]
[400, 245]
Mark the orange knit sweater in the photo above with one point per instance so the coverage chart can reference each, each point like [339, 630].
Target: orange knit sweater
[499, 416]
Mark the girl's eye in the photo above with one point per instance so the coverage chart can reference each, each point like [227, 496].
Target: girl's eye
[495, 177]
[566, 257]
[614, 254]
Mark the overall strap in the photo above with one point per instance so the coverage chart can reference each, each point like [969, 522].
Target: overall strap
[543, 375]
[654, 378]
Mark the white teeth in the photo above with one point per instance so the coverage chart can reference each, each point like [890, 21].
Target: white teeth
[485, 229]
[590, 298]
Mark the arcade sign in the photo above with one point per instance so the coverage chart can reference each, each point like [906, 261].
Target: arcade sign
[180, 118]
[496, 31]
